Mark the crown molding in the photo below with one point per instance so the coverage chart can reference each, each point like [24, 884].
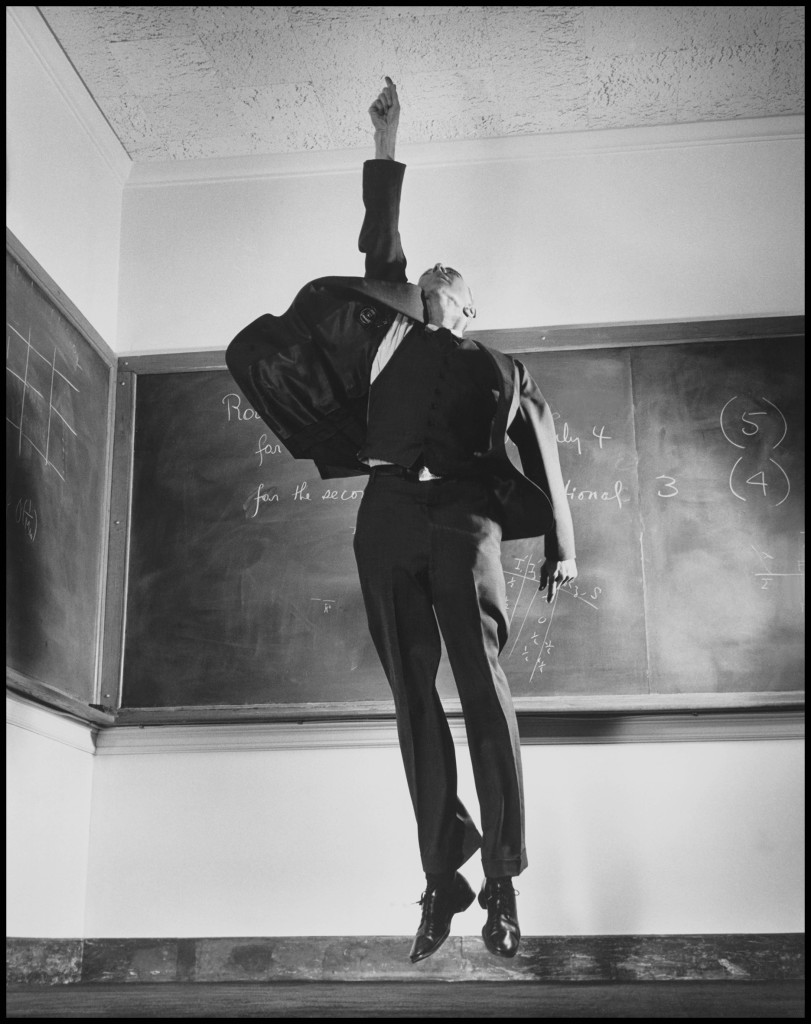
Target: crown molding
[43, 45]
[50, 724]
[468, 152]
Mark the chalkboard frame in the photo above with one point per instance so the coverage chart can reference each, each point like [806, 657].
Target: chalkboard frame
[514, 342]
[40, 690]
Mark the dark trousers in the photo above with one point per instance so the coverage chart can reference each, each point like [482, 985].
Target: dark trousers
[429, 560]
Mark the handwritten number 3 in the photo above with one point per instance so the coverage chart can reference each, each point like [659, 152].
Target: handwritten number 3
[671, 484]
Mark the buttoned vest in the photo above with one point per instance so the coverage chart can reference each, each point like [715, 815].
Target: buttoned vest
[433, 404]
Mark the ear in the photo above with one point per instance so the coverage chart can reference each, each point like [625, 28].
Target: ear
[470, 312]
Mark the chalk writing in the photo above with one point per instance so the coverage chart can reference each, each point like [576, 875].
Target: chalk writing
[739, 419]
[587, 494]
[774, 488]
[588, 595]
[257, 499]
[345, 495]
[302, 492]
[565, 437]
[532, 640]
[267, 448]
[234, 410]
[755, 429]
[773, 573]
[670, 484]
[26, 516]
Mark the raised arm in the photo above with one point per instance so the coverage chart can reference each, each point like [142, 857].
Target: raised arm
[382, 183]
[385, 115]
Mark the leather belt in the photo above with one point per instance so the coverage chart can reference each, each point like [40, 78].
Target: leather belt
[420, 474]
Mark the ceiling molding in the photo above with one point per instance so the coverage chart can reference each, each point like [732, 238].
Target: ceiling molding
[471, 151]
[40, 40]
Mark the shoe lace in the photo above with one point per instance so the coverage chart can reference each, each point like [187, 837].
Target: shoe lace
[500, 898]
[427, 901]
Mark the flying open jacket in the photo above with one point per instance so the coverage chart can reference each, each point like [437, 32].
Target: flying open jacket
[307, 374]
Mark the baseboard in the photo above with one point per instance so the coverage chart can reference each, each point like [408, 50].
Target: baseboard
[556, 958]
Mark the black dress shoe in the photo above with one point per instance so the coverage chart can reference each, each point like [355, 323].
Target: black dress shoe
[501, 933]
[439, 903]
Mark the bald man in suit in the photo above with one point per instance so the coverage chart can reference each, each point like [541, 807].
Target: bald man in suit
[377, 376]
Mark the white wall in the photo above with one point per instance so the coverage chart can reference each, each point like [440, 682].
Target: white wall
[65, 172]
[64, 180]
[49, 777]
[640, 838]
[65, 177]
[687, 222]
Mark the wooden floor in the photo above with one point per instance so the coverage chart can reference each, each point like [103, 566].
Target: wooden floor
[734, 999]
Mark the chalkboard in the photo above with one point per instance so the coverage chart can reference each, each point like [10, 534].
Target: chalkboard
[722, 461]
[683, 466]
[58, 438]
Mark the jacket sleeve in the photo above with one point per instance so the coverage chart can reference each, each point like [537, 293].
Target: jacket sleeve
[533, 431]
[380, 235]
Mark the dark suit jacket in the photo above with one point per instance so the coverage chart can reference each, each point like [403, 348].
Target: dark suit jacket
[307, 374]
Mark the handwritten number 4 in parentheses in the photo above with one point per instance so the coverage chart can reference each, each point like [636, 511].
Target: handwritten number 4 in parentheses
[670, 484]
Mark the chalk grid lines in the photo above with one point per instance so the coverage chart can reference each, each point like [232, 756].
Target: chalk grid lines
[38, 374]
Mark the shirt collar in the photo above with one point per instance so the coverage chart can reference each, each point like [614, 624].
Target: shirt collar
[435, 327]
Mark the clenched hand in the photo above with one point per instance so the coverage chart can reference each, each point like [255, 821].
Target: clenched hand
[385, 111]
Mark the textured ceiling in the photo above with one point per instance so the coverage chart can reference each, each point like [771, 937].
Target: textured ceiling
[179, 83]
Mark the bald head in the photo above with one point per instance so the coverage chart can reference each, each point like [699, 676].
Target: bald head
[446, 297]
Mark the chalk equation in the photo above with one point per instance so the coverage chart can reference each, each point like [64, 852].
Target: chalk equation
[530, 617]
[757, 427]
[39, 394]
[772, 574]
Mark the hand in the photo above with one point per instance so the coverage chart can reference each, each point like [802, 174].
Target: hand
[555, 574]
[385, 111]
